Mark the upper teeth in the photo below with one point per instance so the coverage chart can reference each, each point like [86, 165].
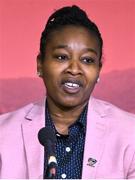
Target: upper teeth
[71, 85]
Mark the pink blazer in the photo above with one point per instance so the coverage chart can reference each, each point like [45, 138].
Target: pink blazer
[110, 140]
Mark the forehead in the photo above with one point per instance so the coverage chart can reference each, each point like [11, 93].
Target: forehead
[70, 32]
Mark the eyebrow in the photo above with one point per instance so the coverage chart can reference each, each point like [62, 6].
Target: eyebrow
[85, 49]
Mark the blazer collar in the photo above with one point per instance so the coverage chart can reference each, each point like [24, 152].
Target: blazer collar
[102, 108]
[97, 126]
[35, 120]
[36, 109]
[95, 138]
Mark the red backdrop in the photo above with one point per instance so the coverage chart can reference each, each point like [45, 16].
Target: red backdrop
[21, 24]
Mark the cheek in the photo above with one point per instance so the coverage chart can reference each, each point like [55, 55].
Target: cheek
[51, 68]
[92, 75]
[51, 75]
[48, 70]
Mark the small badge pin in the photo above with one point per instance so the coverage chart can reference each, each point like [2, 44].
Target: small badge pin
[91, 162]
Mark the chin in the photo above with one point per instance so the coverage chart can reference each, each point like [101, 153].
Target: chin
[72, 103]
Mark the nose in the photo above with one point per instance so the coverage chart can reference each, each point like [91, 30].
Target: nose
[74, 67]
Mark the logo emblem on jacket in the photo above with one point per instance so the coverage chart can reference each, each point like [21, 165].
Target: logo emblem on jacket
[91, 162]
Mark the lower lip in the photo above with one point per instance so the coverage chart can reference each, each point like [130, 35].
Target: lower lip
[69, 90]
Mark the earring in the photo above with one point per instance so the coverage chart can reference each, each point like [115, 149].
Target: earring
[39, 73]
[98, 79]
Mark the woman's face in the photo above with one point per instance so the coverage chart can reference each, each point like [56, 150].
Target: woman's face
[71, 66]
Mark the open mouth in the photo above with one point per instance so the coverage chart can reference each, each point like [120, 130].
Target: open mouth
[71, 86]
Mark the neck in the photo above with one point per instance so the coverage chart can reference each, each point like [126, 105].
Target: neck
[63, 117]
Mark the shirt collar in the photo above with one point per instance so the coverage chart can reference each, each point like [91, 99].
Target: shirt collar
[82, 120]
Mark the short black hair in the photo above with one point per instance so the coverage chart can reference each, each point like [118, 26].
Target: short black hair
[69, 16]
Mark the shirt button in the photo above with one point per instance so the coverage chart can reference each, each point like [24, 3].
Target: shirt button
[58, 135]
[64, 176]
[68, 149]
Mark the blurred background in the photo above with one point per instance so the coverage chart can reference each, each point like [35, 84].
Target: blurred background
[21, 24]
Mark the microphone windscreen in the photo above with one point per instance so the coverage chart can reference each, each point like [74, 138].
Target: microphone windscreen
[46, 134]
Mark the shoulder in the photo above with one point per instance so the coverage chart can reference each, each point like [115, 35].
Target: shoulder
[106, 108]
[118, 120]
[17, 116]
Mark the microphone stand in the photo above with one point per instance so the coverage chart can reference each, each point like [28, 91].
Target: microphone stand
[51, 171]
[47, 138]
[51, 166]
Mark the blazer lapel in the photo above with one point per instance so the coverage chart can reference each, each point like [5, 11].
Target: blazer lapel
[95, 139]
[94, 145]
[35, 120]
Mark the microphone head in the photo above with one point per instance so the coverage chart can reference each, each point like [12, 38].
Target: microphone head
[46, 135]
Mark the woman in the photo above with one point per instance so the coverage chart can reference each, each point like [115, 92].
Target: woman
[94, 138]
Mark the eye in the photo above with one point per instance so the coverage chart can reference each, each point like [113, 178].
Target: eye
[61, 57]
[88, 60]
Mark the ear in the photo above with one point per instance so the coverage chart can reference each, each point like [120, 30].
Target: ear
[39, 65]
[100, 67]
[98, 77]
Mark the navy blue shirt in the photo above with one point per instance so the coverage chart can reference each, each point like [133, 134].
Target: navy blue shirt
[69, 148]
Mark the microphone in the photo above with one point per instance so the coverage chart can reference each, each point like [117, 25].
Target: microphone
[47, 138]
